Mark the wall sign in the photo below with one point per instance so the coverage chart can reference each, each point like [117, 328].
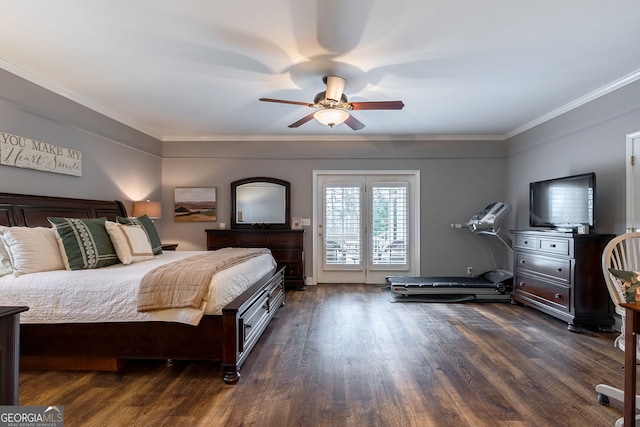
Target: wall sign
[28, 153]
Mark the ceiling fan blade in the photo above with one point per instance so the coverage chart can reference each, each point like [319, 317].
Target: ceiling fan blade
[335, 87]
[302, 121]
[282, 101]
[378, 105]
[354, 123]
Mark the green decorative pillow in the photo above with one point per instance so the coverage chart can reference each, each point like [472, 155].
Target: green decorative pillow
[85, 243]
[629, 282]
[147, 224]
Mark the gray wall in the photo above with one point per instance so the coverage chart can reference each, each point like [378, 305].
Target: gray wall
[589, 138]
[458, 178]
[118, 162]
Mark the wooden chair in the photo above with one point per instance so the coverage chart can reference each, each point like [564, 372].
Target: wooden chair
[621, 253]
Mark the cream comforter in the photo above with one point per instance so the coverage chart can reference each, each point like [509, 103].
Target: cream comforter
[110, 294]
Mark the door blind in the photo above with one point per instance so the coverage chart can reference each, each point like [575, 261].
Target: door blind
[389, 224]
[342, 224]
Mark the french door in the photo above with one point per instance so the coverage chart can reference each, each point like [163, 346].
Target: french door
[366, 226]
[633, 182]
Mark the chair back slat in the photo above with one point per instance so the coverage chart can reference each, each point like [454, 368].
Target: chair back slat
[621, 253]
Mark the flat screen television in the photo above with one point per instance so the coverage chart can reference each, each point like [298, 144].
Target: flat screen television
[564, 203]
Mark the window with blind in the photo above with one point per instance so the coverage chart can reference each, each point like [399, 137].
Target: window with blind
[389, 223]
[342, 219]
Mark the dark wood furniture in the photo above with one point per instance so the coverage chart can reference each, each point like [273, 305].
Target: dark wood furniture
[9, 353]
[287, 247]
[560, 274]
[632, 328]
[169, 246]
[227, 338]
[261, 202]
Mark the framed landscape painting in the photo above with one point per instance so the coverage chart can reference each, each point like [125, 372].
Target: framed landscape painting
[195, 204]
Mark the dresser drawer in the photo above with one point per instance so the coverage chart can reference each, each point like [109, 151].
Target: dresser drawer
[254, 239]
[222, 240]
[292, 270]
[525, 242]
[286, 255]
[556, 268]
[286, 240]
[555, 246]
[276, 298]
[556, 296]
[253, 320]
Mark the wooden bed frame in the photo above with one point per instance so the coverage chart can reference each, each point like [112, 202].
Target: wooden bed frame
[226, 338]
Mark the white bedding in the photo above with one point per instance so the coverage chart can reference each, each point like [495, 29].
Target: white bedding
[109, 294]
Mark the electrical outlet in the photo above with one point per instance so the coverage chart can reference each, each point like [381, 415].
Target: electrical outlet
[306, 221]
[469, 271]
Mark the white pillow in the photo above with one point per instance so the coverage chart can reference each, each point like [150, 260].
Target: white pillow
[5, 261]
[32, 249]
[130, 241]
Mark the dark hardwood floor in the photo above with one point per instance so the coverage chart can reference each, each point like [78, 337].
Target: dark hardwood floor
[343, 355]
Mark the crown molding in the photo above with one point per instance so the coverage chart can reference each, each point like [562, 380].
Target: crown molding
[41, 81]
[342, 137]
[617, 84]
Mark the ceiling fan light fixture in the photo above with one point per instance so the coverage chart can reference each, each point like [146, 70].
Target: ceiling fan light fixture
[331, 116]
[333, 107]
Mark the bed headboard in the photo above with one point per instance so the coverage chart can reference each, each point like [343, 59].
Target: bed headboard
[32, 211]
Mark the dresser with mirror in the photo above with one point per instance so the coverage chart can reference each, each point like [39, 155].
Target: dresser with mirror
[261, 218]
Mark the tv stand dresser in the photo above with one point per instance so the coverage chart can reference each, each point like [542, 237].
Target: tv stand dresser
[561, 274]
[287, 248]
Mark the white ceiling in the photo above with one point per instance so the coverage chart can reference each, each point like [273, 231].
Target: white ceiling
[194, 69]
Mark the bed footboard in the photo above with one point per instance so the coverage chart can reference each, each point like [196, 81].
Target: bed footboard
[244, 321]
[226, 338]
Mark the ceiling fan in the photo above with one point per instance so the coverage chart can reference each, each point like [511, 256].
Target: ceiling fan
[333, 106]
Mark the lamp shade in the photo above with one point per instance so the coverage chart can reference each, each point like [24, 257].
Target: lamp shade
[148, 208]
[331, 116]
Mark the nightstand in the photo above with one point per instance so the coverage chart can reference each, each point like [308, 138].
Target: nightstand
[169, 246]
[9, 353]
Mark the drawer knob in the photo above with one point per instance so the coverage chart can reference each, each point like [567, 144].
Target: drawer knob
[557, 296]
[526, 242]
[553, 245]
[522, 261]
[521, 284]
[559, 269]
